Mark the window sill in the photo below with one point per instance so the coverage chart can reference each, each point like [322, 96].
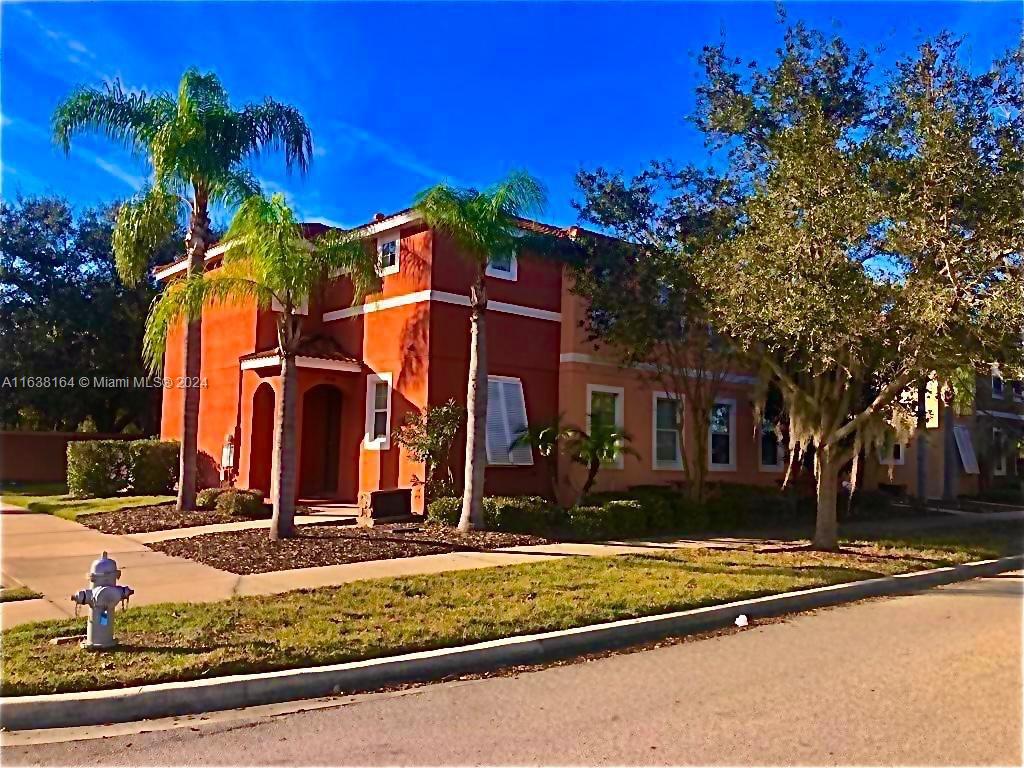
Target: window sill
[721, 467]
[377, 445]
[668, 467]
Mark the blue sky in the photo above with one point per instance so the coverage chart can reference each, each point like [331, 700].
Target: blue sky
[400, 96]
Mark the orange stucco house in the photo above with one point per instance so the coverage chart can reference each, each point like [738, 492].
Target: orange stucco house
[406, 348]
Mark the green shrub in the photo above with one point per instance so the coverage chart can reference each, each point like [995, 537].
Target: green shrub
[625, 517]
[586, 522]
[152, 466]
[513, 514]
[98, 468]
[518, 514]
[242, 503]
[207, 498]
[688, 516]
[658, 504]
[868, 504]
[445, 510]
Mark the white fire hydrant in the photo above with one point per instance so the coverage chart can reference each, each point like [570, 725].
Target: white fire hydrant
[104, 595]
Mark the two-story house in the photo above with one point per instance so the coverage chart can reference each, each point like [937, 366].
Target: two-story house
[984, 450]
[406, 348]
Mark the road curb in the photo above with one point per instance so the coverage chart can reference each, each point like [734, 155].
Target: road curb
[234, 691]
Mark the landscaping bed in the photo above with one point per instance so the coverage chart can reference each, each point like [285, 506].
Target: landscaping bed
[251, 551]
[157, 517]
[385, 617]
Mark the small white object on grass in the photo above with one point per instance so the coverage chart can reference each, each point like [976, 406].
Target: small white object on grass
[741, 620]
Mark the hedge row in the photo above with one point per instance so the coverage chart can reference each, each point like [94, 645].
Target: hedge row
[113, 467]
[655, 509]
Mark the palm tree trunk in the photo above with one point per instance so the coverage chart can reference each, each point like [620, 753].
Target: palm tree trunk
[188, 456]
[592, 470]
[282, 525]
[476, 406]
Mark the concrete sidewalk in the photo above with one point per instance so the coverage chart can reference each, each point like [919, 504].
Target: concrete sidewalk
[52, 556]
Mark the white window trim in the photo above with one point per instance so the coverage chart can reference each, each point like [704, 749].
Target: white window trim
[391, 234]
[998, 470]
[731, 466]
[619, 462]
[381, 443]
[679, 401]
[508, 431]
[889, 461]
[512, 275]
[1002, 394]
[778, 467]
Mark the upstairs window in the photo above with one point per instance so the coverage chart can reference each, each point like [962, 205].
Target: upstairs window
[378, 412]
[894, 455]
[997, 386]
[506, 422]
[721, 446]
[388, 250]
[503, 265]
[998, 452]
[1018, 391]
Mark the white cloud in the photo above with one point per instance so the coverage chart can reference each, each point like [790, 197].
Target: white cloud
[38, 134]
[61, 45]
[393, 153]
[133, 181]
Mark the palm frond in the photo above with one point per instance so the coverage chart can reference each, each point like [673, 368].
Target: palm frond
[272, 125]
[142, 225]
[233, 187]
[482, 223]
[519, 194]
[342, 252]
[183, 300]
[129, 118]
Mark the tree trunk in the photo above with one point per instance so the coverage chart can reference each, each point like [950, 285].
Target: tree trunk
[699, 460]
[476, 407]
[922, 443]
[592, 469]
[188, 457]
[282, 525]
[826, 532]
[950, 459]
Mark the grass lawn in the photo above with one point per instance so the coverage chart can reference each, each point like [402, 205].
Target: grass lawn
[55, 500]
[13, 594]
[385, 617]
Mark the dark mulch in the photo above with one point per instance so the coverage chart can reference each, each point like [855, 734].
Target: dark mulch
[158, 517]
[251, 551]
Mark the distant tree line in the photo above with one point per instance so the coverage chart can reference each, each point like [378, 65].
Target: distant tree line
[65, 315]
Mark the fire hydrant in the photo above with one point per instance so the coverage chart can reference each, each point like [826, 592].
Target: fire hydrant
[101, 599]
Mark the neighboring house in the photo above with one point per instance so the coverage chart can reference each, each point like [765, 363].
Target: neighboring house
[406, 348]
[986, 449]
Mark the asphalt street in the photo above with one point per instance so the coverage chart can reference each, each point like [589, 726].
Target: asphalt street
[928, 679]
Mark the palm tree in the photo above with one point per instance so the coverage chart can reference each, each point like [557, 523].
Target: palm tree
[196, 145]
[480, 224]
[268, 261]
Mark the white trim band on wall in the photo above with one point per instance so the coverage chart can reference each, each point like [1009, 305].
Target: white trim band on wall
[318, 363]
[582, 357]
[443, 297]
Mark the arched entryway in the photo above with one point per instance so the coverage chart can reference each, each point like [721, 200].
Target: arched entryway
[262, 442]
[321, 440]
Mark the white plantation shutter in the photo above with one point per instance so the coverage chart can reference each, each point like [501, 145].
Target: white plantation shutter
[497, 445]
[506, 420]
